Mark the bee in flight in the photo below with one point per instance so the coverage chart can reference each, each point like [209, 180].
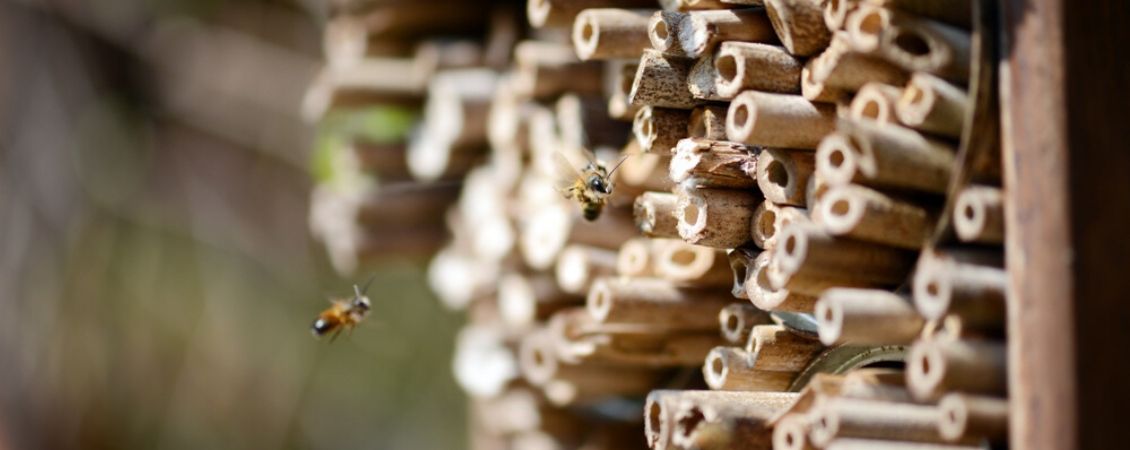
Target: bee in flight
[343, 314]
[591, 186]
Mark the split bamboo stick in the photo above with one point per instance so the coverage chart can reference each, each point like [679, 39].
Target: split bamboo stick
[707, 122]
[737, 320]
[658, 129]
[799, 25]
[936, 367]
[933, 105]
[979, 215]
[607, 33]
[716, 218]
[811, 261]
[743, 66]
[764, 296]
[868, 215]
[701, 31]
[703, 81]
[659, 303]
[713, 164]
[967, 417]
[578, 265]
[661, 80]
[694, 265]
[783, 175]
[655, 214]
[866, 316]
[778, 120]
[971, 285]
[741, 263]
[733, 369]
[884, 157]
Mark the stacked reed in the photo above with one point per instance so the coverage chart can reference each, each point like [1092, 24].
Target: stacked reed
[789, 159]
[381, 58]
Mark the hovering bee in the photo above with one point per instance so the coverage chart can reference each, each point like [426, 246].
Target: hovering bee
[343, 314]
[591, 186]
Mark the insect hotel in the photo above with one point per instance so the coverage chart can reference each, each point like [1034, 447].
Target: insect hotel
[786, 224]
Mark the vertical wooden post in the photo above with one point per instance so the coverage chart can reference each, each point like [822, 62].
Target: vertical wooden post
[1067, 215]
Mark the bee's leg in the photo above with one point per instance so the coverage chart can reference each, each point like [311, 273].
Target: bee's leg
[335, 335]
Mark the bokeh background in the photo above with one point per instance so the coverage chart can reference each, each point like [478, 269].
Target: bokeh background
[157, 275]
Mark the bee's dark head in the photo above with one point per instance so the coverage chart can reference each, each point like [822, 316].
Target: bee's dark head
[597, 184]
[320, 327]
[361, 303]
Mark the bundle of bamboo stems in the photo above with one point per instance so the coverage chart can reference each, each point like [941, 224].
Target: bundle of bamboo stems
[792, 202]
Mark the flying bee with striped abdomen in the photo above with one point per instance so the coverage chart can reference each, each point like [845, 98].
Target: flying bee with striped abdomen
[590, 186]
[343, 314]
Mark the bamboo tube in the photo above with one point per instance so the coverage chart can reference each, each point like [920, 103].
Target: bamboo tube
[923, 45]
[635, 256]
[583, 123]
[521, 409]
[707, 122]
[778, 120]
[776, 348]
[363, 84]
[791, 433]
[741, 263]
[884, 157]
[838, 418]
[736, 321]
[970, 285]
[782, 175]
[842, 69]
[739, 423]
[933, 105]
[866, 316]
[663, 31]
[655, 214]
[813, 88]
[874, 384]
[979, 215]
[693, 265]
[700, 31]
[578, 265]
[543, 236]
[578, 339]
[523, 300]
[607, 33]
[935, 367]
[716, 218]
[881, 444]
[764, 296]
[811, 261]
[659, 129]
[662, 407]
[799, 25]
[644, 171]
[733, 369]
[967, 417]
[769, 219]
[743, 66]
[619, 76]
[713, 164]
[456, 278]
[561, 13]
[836, 12]
[703, 80]
[875, 102]
[865, 25]
[868, 215]
[662, 81]
[659, 303]
[545, 70]
[589, 387]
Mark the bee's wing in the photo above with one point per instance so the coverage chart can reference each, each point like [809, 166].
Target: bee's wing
[567, 174]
